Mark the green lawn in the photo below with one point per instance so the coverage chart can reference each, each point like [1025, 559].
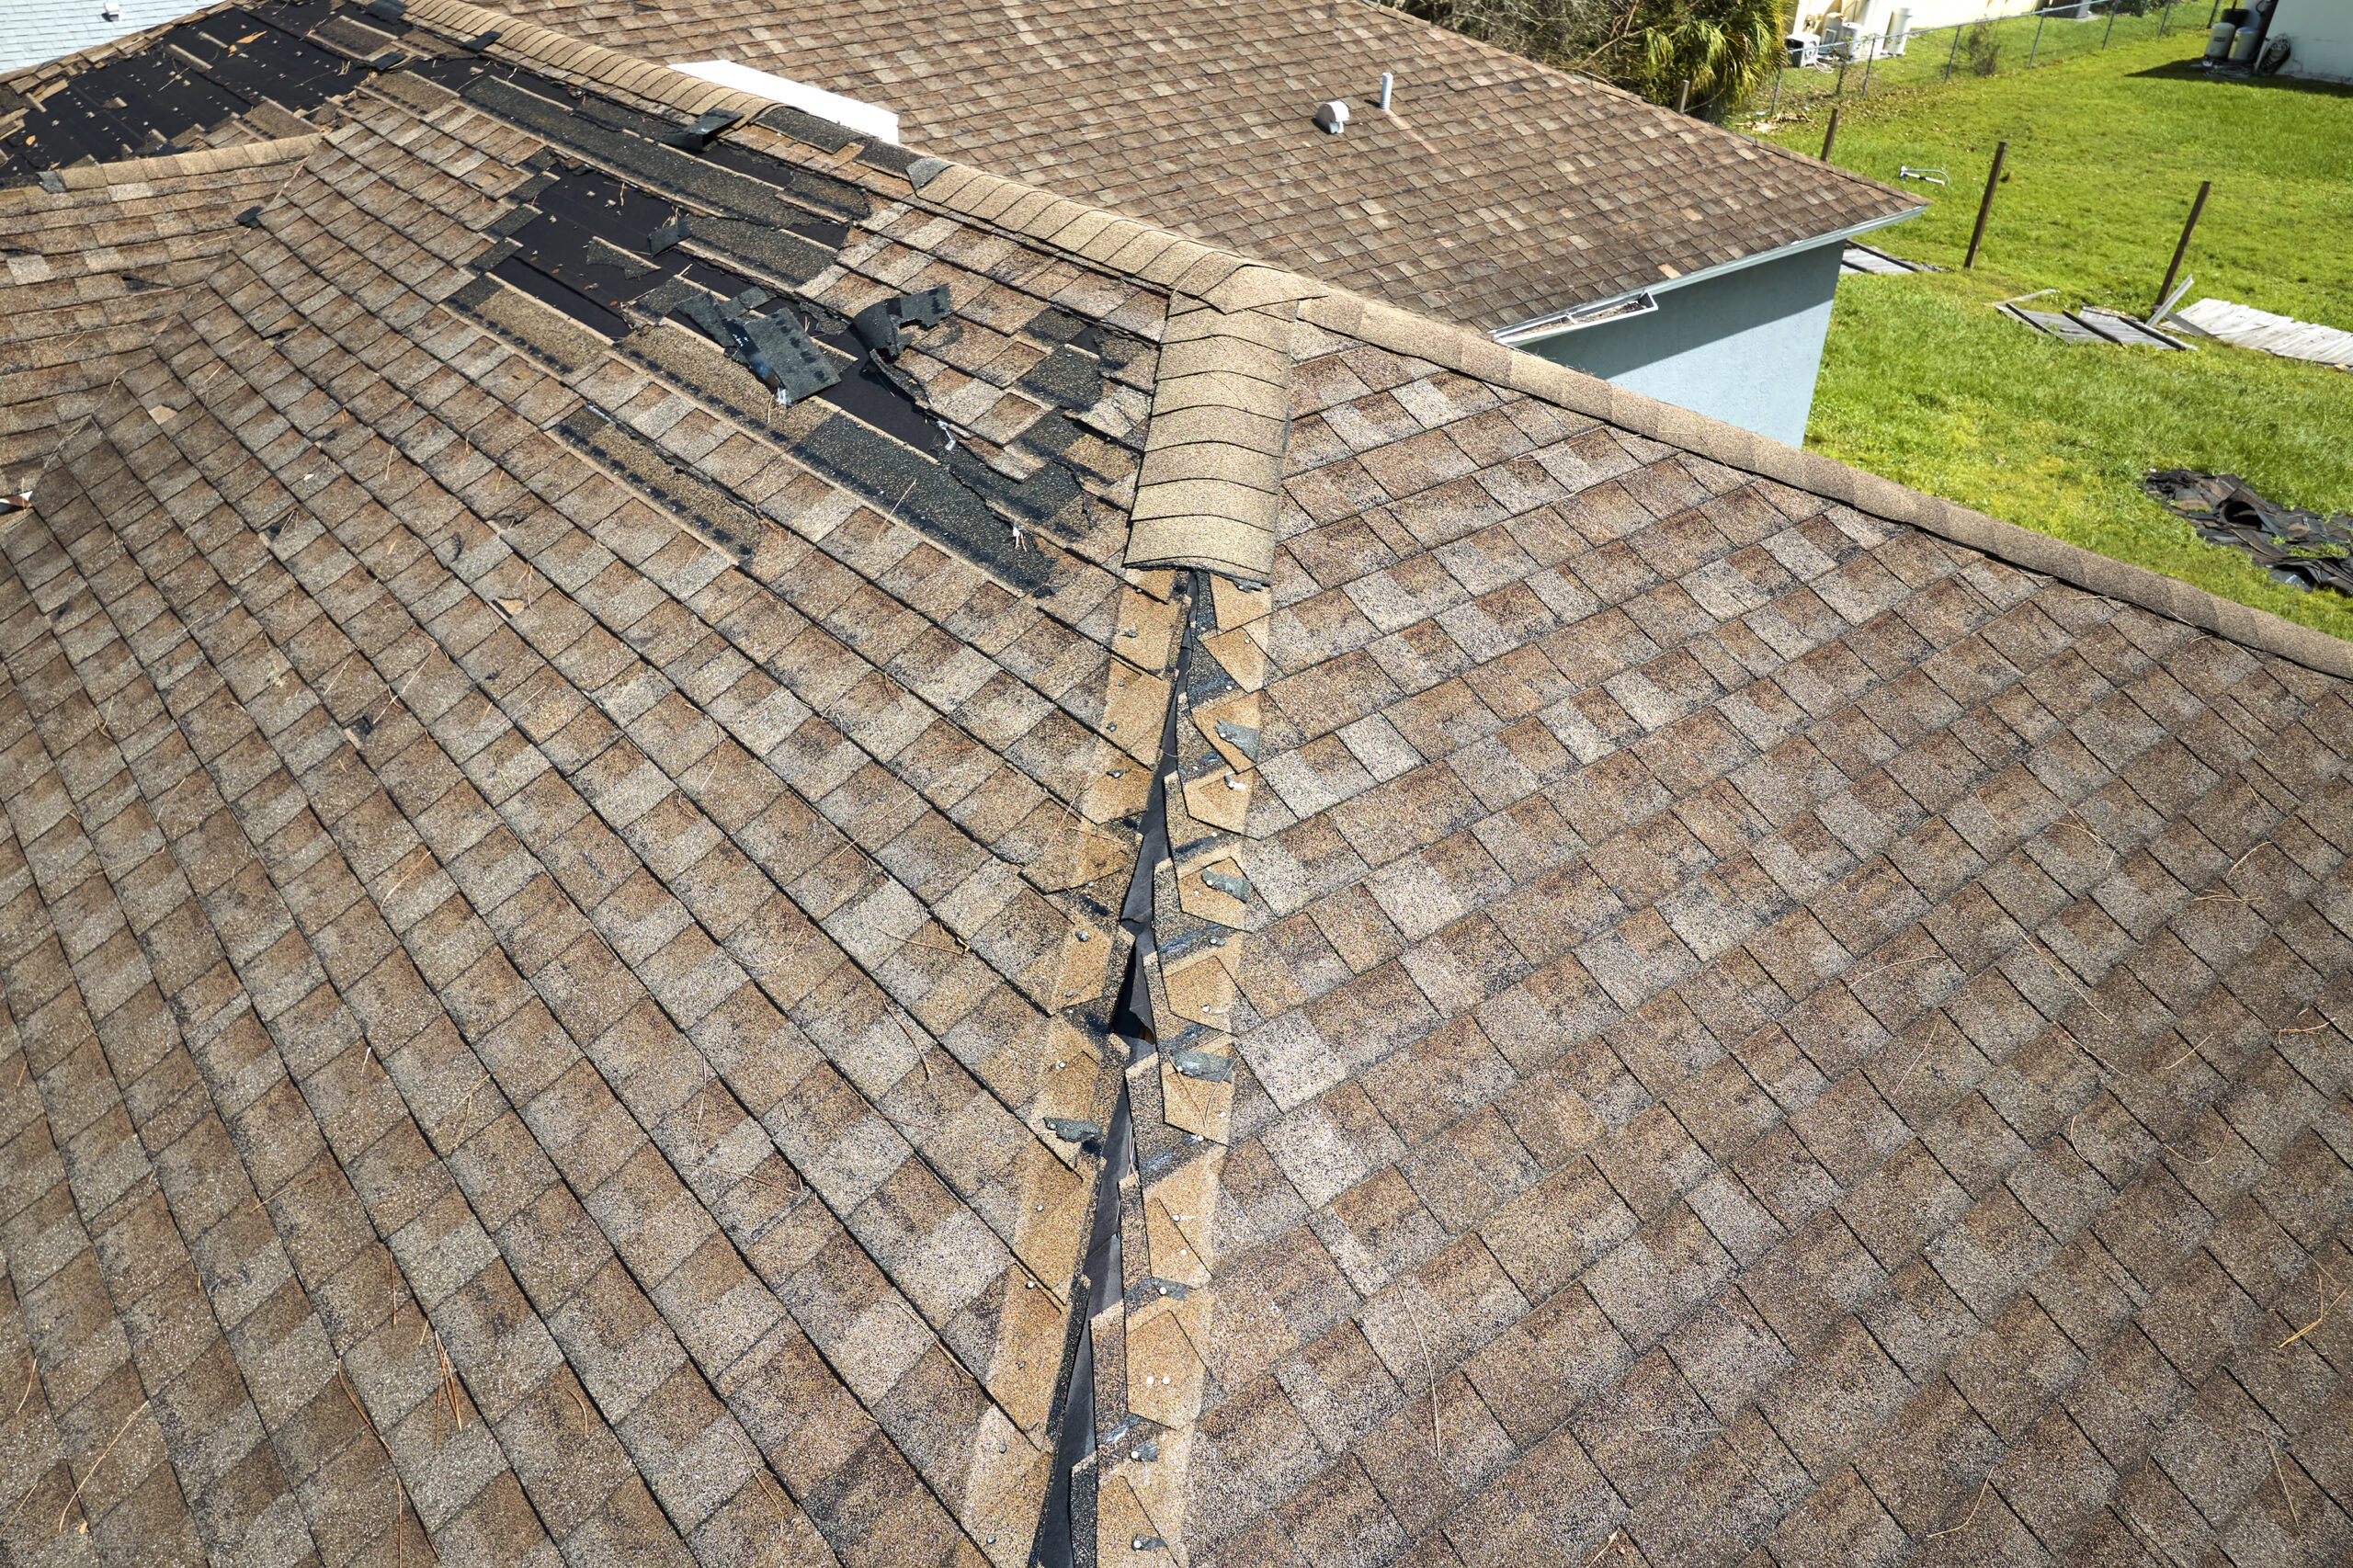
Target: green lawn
[1922, 383]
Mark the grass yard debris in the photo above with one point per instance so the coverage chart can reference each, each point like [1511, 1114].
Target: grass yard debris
[1924, 383]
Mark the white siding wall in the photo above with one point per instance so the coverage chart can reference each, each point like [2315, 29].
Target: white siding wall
[33, 32]
[2322, 34]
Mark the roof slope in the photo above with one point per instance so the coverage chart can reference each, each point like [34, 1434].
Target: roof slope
[89, 279]
[559, 921]
[32, 31]
[1498, 190]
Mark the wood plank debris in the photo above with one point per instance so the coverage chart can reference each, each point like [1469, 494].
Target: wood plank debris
[1859, 257]
[2283, 335]
[2092, 324]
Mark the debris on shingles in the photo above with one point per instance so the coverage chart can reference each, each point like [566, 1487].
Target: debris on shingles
[881, 326]
[2092, 324]
[2298, 547]
[696, 137]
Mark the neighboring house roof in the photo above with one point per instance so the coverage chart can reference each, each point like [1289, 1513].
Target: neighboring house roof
[32, 31]
[559, 922]
[1498, 191]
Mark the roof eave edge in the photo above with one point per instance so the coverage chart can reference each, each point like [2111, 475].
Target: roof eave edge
[1536, 329]
[1475, 354]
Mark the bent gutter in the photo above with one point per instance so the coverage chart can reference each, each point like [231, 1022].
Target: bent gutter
[1537, 329]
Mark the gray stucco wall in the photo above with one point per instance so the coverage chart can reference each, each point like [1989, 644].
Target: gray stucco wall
[1741, 346]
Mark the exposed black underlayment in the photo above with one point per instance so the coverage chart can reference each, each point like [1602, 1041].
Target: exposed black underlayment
[586, 252]
[1065, 1536]
[191, 77]
[624, 141]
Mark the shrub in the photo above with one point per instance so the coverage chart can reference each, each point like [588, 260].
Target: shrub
[1982, 46]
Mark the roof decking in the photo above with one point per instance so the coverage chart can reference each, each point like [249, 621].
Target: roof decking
[558, 921]
[1498, 190]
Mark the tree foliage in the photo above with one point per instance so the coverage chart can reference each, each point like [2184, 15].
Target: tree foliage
[1724, 50]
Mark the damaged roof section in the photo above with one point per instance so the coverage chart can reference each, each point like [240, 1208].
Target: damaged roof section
[749, 767]
[567, 922]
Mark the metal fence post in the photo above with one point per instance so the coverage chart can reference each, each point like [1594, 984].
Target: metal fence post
[1954, 53]
[2165, 289]
[2037, 38]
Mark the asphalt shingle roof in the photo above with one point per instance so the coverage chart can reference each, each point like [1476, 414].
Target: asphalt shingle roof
[560, 922]
[1497, 191]
[34, 31]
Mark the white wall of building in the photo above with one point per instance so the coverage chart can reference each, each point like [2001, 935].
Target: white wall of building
[2321, 34]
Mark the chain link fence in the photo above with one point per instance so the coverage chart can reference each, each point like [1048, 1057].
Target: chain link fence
[1855, 67]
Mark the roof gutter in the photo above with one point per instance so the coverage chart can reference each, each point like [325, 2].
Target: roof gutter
[1617, 307]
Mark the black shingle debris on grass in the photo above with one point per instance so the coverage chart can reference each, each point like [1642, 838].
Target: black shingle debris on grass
[2297, 547]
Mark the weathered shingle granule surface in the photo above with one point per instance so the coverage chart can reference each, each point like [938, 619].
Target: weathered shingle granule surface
[1495, 191]
[562, 985]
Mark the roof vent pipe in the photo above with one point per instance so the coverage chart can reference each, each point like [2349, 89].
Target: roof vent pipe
[1333, 117]
[1388, 80]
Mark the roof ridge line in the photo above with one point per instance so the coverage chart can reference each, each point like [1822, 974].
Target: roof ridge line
[611, 68]
[176, 165]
